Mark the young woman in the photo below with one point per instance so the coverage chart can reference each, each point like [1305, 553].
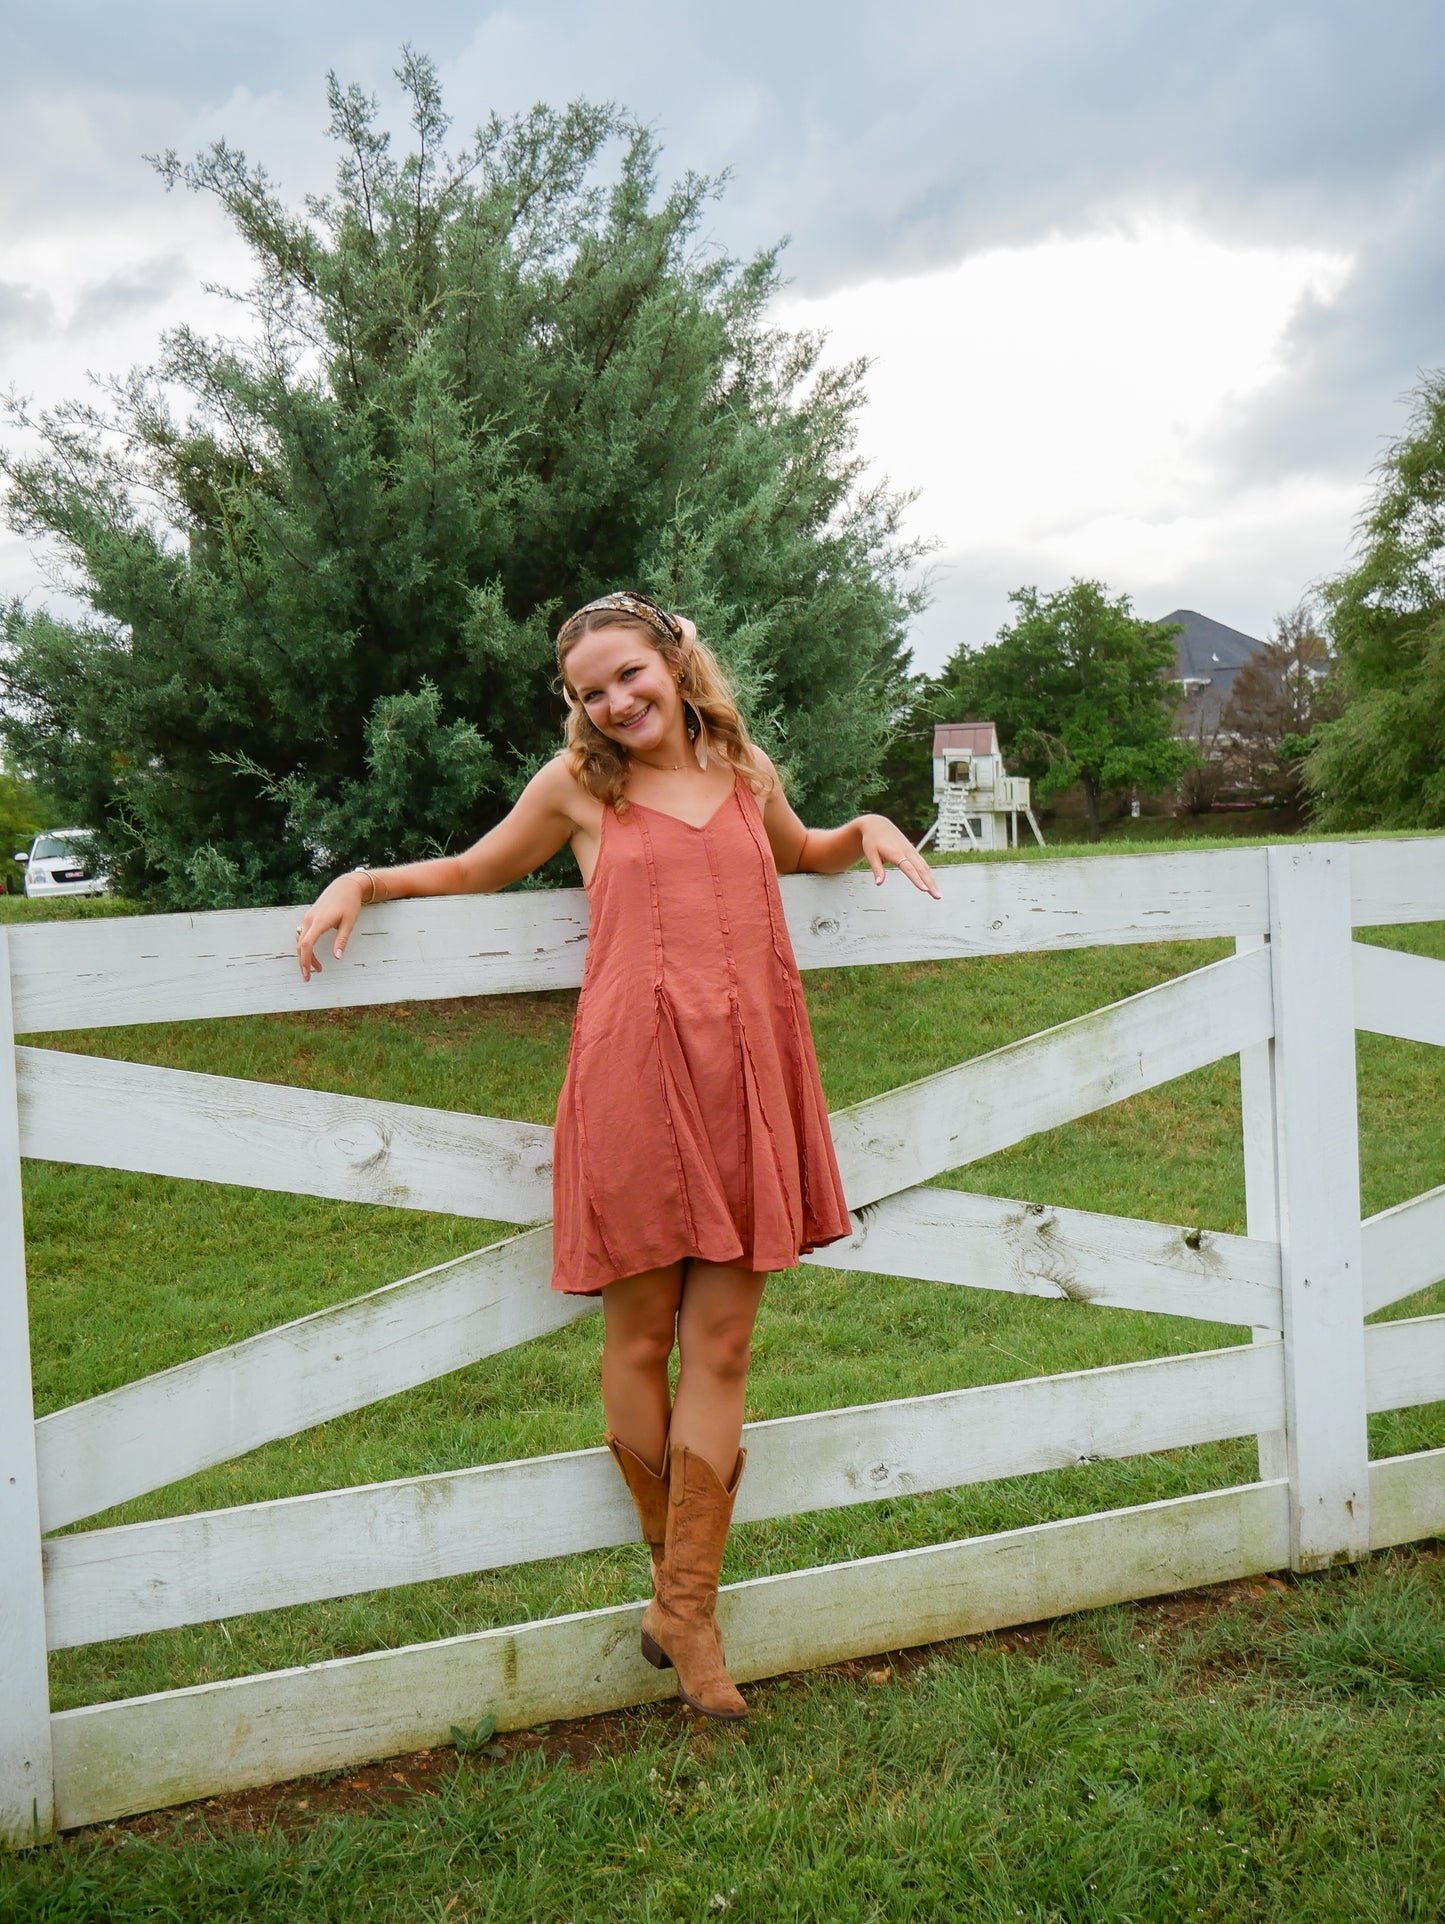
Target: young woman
[692, 1150]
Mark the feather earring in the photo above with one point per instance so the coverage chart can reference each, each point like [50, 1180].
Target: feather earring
[697, 733]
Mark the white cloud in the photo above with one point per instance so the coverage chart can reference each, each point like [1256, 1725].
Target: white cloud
[1059, 407]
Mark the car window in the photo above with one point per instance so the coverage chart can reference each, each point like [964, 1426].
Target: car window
[50, 847]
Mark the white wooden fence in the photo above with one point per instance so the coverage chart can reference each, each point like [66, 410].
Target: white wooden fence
[1288, 1002]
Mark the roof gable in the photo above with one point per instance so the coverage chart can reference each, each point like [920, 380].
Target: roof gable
[1208, 649]
[975, 738]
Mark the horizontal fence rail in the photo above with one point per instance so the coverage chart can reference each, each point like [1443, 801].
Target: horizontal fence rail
[266, 1135]
[1395, 882]
[1286, 1002]
[1032, 1249]
[1403, 1249]
[1399, 995]
[1404, 1363]
[169, 968]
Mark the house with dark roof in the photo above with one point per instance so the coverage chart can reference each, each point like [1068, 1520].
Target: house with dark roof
[1207, 657]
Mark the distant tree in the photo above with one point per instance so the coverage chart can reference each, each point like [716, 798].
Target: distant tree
[1078, 687]
[1279, 695]
[1382, 763]
[473, 391]
[24, 811]
[1200, 725]
[905, 771]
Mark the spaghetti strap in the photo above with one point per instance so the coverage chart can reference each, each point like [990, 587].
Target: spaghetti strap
[692, 1121]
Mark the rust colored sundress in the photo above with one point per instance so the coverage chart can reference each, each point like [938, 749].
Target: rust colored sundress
[691, 1121]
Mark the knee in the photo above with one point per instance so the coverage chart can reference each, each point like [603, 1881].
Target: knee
[724, 1349]
[644, 1347]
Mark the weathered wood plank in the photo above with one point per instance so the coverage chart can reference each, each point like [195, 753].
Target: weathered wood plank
[152, 1432]
[1399, 994]
[1317, 1158]
[1261, 1202]
[152, 1576]
[1403, 1249]
[1396, 880]
[920, 1130]
[172, 968]
[1404, 1363]
[27, 1792]
[1032, 1249]
[1007, 908]
[1407, 1499]
[242, 962]
[146, 1752]
[264, 1135]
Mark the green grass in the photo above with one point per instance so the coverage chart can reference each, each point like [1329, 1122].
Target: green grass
[1161, 834]
[62, 908]
[129, 1274]
[1223, 825]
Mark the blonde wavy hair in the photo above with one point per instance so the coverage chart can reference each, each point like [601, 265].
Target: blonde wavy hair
[600, 764]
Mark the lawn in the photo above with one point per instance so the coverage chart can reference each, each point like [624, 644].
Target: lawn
[1283, 1746]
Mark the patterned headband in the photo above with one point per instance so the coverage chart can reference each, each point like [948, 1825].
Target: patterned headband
[626, 602]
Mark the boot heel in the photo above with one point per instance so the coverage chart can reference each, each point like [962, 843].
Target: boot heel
[654, 1653]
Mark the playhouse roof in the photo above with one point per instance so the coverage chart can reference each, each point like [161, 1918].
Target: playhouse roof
[978, 738]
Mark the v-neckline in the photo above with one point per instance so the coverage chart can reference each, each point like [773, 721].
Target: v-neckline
[698, 828]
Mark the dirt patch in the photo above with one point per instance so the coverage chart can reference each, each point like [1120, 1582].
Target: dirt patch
[391, 1781]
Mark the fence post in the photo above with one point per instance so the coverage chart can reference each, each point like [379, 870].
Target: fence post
[1317, 1162]
[27, 1785]
[1261, 1202]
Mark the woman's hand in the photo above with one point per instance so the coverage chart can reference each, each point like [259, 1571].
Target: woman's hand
[882, 842]
[337, 907]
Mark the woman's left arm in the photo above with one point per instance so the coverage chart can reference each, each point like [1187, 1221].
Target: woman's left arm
[828, 851]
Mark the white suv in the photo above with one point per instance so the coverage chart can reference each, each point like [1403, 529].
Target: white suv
[61, 863]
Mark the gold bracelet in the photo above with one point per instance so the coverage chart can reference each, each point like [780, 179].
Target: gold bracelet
[372, 879]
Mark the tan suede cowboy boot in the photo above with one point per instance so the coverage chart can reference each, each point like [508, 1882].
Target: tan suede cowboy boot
[649, 1490]
[680, 1626]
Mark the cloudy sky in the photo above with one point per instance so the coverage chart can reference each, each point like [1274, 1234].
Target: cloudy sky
[1146, 284]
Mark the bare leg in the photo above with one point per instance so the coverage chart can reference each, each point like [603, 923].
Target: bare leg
[714, 1334]
[641, 1317]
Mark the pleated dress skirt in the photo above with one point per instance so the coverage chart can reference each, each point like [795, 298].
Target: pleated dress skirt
[691, 1122]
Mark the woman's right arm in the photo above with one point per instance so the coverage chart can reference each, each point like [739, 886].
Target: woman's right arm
[542, 821]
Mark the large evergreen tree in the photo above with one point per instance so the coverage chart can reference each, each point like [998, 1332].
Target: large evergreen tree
[1382, 763]
[475, 390]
